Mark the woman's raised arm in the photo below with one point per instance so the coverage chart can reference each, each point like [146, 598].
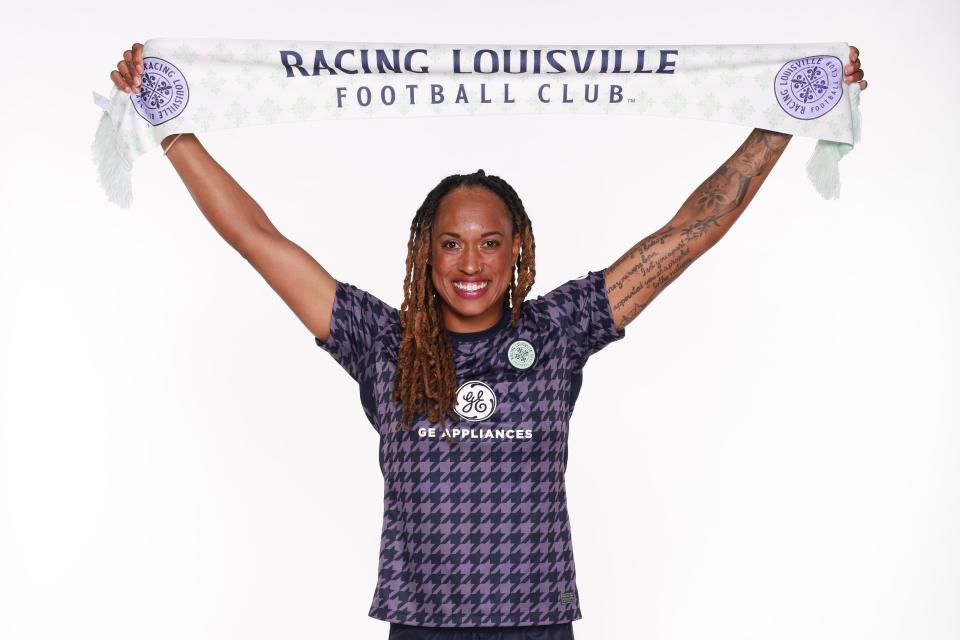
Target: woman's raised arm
[633, 281]
[302, 283]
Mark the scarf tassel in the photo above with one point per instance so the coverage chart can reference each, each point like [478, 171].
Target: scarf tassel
[112, 167]
[823, 168]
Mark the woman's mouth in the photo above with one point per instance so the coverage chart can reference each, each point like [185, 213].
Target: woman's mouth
[471, 290]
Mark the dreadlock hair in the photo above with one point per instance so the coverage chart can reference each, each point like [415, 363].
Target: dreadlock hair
[425, 381]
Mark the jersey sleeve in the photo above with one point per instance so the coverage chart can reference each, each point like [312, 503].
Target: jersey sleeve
[581, 309]
[358, 318]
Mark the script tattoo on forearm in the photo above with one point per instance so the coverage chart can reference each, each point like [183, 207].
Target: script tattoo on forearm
[645, 267]
[656, 261]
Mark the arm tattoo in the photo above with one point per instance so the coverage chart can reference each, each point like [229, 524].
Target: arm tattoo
[635, 279]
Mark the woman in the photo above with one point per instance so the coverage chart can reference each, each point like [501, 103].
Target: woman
[469, 384]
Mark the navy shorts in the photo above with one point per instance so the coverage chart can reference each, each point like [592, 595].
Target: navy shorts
[563, 631]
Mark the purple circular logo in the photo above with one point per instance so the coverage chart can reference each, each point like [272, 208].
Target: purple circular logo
[807, 88]
[163, 92]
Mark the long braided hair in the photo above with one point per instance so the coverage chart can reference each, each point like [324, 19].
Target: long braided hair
[425, 381]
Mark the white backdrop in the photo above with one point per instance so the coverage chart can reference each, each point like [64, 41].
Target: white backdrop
[772, 451]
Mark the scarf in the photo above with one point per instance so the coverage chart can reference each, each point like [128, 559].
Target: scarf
[197, 85]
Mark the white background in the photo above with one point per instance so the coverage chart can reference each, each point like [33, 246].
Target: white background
[771, 452]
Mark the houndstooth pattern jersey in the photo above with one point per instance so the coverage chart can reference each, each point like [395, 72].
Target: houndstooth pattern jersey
[476, 532]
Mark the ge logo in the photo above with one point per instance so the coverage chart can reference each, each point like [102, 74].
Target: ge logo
[475, 401]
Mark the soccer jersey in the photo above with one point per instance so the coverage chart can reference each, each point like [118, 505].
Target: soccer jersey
[476, 532]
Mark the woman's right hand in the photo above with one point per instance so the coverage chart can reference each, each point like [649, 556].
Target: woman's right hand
[300, 280]
[127, 75]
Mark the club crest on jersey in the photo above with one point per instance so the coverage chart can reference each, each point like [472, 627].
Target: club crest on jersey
[475, 401]
[521, 354]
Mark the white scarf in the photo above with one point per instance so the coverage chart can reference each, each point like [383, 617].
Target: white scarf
[196, 85]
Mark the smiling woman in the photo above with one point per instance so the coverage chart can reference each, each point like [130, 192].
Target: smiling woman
[474, 252]
[470, 256]
[476, 538]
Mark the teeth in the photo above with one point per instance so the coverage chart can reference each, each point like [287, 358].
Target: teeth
[470, 286]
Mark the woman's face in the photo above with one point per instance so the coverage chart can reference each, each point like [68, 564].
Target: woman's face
[472, 253]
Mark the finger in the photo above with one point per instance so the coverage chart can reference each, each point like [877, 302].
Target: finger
[132, 70]
[134, 75]
[850, 68]
[120, 82]
[138, 55]
[124, 70]
[854, 53]
[853, 77]
[863, 85]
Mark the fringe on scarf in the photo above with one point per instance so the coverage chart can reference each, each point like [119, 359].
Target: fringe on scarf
[112, 167]
[823, 167]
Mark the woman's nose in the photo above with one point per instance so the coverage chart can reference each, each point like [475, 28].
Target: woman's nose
[470, 260]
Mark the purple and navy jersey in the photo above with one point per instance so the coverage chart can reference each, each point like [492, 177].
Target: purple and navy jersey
[476, 532]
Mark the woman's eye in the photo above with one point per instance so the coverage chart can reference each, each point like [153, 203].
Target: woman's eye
[494, 243]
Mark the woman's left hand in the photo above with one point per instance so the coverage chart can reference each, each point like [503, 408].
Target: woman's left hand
[852, 71]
